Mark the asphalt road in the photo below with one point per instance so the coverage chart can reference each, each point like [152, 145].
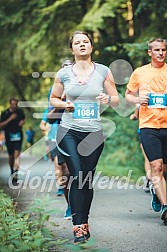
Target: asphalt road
[121, 220]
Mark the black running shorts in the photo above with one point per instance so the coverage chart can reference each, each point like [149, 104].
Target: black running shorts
[154, 142]
[13, 145]
[55, 152]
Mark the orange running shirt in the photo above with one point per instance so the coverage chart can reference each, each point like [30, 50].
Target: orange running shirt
[145, 80]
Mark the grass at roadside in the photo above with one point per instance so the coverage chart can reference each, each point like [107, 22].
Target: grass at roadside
[113, 171]
[121, 161]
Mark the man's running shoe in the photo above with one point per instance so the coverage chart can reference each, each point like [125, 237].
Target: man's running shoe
[147, 184]
[164, 213]
[60, 192]
[13, 178]
[45, 158]
[79, 236]
[68, 215]
[85, 228]
[155, 203]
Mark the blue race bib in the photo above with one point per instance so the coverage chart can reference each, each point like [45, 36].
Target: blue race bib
[15, 136]
[86, 110]
[157, 100]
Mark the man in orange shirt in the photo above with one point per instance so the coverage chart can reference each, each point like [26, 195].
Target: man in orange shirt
[148, 87]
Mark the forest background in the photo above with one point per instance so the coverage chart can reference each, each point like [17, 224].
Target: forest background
[34, 42]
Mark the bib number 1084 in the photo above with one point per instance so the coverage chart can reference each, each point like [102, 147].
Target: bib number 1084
[85, 111]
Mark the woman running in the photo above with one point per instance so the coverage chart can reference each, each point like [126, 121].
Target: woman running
[86, 85]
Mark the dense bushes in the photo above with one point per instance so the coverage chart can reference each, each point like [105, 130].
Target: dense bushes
[25, 231]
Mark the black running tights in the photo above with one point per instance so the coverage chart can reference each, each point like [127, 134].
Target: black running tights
[81, 152]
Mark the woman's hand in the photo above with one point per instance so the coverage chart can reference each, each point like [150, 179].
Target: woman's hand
[69, 106]
[103, 98]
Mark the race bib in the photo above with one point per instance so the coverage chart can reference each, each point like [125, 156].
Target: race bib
[15, 136]
[86, 110]
[157, 100]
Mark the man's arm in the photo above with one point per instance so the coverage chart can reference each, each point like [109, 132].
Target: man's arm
[132, 98]
[21, 123]
[44, 126]
[4, 123]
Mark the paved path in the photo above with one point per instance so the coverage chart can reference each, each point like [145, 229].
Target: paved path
[121, 220]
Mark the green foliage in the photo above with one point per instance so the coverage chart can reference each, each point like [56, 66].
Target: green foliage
[99, 11]
[26, 231]
[140, 56]
[156, 6]
[39, 32]
[122, 152]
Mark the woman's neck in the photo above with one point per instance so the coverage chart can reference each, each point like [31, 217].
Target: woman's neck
[83, 70]
[83, 64]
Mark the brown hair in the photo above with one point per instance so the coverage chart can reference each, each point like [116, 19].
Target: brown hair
[160, 40]
[79, 32]
[13, 99]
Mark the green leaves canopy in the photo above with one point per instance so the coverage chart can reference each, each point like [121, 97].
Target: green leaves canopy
[34, 36]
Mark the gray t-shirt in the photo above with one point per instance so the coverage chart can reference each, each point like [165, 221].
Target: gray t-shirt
[86, 116]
